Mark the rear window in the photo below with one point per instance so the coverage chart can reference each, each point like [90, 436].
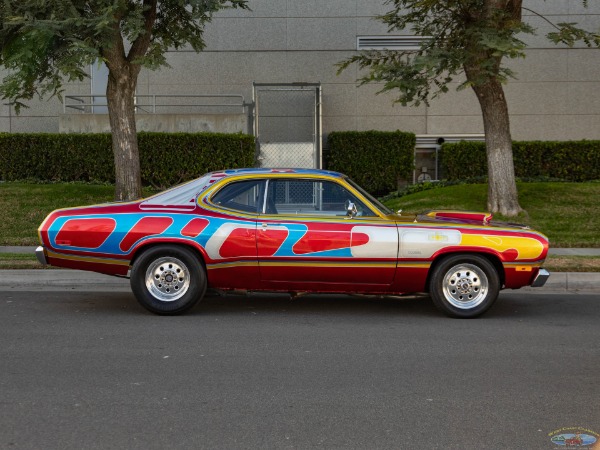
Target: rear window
[182, 197]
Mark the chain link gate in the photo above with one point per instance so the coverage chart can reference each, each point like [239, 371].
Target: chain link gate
[287, 125]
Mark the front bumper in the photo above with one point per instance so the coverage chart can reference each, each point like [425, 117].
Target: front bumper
[541, 278]
[40, 253]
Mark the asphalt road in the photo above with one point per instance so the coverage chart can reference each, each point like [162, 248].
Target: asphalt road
[94, 370]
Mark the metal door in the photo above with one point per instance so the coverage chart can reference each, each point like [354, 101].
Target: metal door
[287, 125]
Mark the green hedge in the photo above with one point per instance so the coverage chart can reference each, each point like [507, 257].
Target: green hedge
[165, 158]
[374, 159]
[168, 158]
[566, 160]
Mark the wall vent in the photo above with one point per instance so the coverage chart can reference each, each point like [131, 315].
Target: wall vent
[406, 43]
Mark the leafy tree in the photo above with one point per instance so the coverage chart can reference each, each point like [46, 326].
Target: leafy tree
[47, 43]
[471, 39]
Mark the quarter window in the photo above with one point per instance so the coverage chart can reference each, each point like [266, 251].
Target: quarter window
[244, 196]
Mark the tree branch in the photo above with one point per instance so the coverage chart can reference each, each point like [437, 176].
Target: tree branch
[543, 17]
[140, 45]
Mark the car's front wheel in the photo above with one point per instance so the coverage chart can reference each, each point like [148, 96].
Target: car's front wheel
[168, 279]
[464, 286]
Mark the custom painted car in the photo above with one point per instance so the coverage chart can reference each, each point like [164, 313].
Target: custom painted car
[295, 230]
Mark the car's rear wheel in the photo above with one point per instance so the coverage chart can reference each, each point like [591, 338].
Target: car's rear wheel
[464, 285]
[168, 279]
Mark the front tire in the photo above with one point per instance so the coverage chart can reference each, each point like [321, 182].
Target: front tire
[168, 279]
[464, 286]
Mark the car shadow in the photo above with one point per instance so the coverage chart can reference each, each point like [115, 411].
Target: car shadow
[510, 306]
[318, 304]
[230, 305]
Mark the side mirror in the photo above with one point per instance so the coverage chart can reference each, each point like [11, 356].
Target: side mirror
[351, 210]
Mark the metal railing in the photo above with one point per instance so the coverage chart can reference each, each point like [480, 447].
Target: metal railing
[161, 104]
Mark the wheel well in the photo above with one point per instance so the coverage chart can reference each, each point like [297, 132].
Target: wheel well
[494, 260]
[141, 250]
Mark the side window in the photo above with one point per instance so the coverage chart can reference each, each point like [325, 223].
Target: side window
[244, 196]
[311, 197]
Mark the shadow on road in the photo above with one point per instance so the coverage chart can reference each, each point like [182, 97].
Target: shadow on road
[510, 305]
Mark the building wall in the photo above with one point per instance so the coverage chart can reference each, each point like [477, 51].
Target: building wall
[556, 95]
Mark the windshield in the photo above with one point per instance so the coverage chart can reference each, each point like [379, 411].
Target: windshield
[384, 209]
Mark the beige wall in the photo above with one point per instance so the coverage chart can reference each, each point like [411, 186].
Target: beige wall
[556, 95]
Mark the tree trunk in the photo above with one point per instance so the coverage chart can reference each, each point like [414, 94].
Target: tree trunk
[502, 187]
[123, 72]
[484, 66]
[121, 111]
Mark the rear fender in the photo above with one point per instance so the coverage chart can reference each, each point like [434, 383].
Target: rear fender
[145, 245]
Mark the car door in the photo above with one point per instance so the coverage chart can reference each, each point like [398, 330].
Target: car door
[231, 236]
[305, 235]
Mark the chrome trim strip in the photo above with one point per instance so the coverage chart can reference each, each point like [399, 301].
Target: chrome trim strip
[264, 206]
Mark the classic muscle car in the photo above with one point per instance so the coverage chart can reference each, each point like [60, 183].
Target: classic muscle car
[295, 230]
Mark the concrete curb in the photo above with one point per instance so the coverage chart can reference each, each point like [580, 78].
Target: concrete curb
[68, 280]
[572, 282]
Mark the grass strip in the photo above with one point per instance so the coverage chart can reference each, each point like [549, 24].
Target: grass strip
[567, 213]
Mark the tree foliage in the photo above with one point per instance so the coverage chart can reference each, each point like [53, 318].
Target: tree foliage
[45, 43]
[457, 33]
[469, 39]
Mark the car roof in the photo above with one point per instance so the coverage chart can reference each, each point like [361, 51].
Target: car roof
[184, 195]
[264, 171]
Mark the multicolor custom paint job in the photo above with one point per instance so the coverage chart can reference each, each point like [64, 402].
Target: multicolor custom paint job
[378, 253]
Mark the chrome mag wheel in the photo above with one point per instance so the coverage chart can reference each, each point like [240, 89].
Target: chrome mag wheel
[465, 286]
[167, 279]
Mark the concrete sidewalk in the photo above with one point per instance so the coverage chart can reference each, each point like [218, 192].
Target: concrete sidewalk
[17, 249]
[60, 280]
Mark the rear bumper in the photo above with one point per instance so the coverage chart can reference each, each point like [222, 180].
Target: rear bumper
[40, 253]
[541, 278]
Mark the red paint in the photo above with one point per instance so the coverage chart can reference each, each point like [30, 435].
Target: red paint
[320, 241]
[510, 255]
[85, 233]
[237, 277]
[466, 215]
[515, 279]
[194, 227]
[270, 241]
[239, 244]
[147, 226]
[347, 276]
[359, 239]
[107, 268]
